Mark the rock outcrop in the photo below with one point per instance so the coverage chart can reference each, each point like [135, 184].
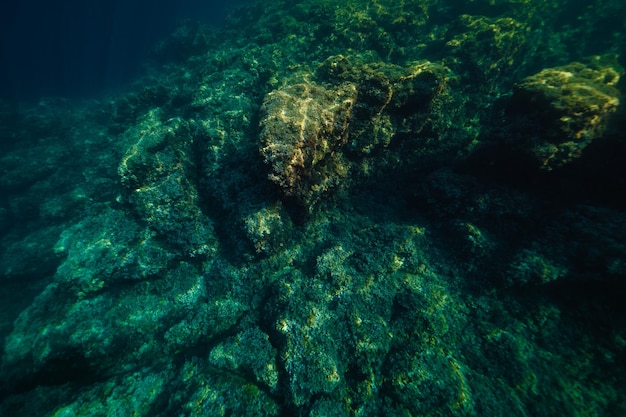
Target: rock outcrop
[559, 111]
[302, 126]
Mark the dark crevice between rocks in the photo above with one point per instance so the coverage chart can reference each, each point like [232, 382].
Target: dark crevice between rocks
[73, 368]
[271, 307]
[597, 177]
[590, 307]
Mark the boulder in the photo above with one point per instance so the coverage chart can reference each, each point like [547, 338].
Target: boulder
[556, 113]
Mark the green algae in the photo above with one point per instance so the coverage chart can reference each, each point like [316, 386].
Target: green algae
[385, 262]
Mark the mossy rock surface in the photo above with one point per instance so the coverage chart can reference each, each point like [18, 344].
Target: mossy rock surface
[562, 110]
[328, 208]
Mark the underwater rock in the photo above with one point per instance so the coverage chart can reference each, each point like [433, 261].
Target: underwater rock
[430, 287]
[487, 47]
[602, 262]
[302, 125]
[268, 228]
[159, 176]
[15, 258]
[393, 101]
[559, 111]
[366, 118]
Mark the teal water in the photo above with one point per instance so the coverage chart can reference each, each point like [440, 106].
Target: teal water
[327, 208]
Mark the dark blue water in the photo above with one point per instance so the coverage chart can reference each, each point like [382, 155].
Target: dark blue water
[80, 49]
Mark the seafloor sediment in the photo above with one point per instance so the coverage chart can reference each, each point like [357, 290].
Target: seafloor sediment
[328, 208]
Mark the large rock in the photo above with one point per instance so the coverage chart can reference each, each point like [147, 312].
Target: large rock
[361, 119]
[302, 125]
[158, 175]
[559, 111]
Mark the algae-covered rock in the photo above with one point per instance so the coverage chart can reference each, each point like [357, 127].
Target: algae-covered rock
[394, 102]
[420, 282]
[369, 118]
[269, 228]
[559, 111]
[603, 260]
[158, 172]
[302, 125]
[487, 46]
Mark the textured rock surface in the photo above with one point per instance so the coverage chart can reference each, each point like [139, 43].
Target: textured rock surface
[302, 126]
[318, 138]
[396, 104]
[151, 268]
[559, 111]
[158, 173]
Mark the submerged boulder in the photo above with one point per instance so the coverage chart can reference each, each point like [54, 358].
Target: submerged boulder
[360, 119]
[158, 176]
[559, 111]
[302, 125]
